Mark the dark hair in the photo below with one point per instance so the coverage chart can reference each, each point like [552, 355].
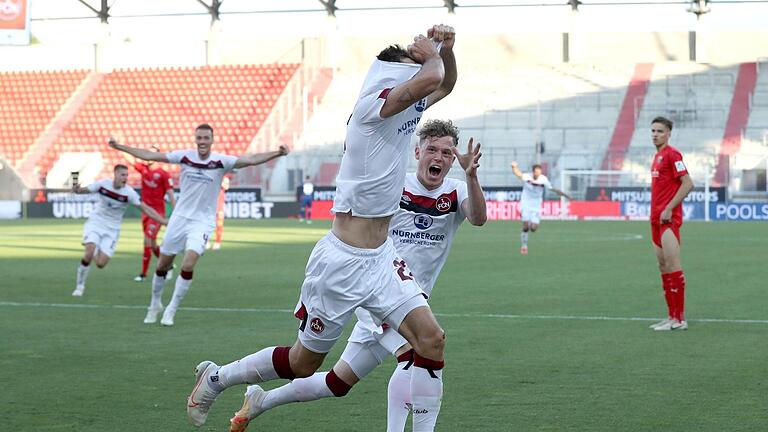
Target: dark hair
[392, 53]
[663, 120]
[438, 129]
[119, 167]
[535, 166]
[205, 126]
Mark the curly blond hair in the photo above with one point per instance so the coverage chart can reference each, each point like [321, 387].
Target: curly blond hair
[438, 129]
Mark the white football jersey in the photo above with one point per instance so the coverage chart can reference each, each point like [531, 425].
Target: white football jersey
[372, 171]
[200, 183]
[423, 228]
[533, 190]
[111, 203]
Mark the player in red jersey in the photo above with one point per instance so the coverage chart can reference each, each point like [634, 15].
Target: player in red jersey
[670, 184]
[220, 215]
[156, 183]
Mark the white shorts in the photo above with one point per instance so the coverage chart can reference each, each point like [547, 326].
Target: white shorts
[366, 331]
[340, 278]
[104, 239]
[183, 234]
[530, 213]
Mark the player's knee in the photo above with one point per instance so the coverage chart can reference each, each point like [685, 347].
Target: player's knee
[432, 344]
[534, 228]
[101, 263]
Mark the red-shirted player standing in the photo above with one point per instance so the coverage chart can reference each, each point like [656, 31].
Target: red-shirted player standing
[670, 184]
[156, 183]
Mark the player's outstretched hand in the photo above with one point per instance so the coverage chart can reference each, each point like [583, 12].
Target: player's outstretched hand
[470, 160]
[513, 164]
[283, 150]
[442, 33]
[164, 221]
[422, 49]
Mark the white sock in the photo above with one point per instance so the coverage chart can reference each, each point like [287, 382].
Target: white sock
[158, 285]
[524, 238]
[82, 274]
[252, 369]
[298, 390]
[427, 394]
[182, 286]
[399, 397]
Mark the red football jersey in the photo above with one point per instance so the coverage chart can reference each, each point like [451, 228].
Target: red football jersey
[666, 170]
[155, 182]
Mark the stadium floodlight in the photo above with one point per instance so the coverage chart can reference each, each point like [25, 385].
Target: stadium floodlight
[699, 7]
[102, 13]
[450, 5]
[330, 7]
[574, 4]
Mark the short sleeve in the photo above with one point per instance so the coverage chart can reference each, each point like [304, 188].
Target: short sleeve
[93, 187]
[140, 167]
[462, 195]
[175, 156]
[368, 108]
[678, 167]
[547, 183]
[133, 197]
[228, 162]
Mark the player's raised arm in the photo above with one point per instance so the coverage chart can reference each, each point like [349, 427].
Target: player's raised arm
[147, 155]
[474, 206]
[561, 193]
[516, 169]
[260, 158]
[446, 35]
[77, 189]
[686, 186]
[154, 215]
[426, 81]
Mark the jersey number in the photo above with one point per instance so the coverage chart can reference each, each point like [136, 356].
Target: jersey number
[400, 266]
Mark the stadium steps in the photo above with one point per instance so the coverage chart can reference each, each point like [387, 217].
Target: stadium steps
[69, 109]
[738, 117]
[625, 125]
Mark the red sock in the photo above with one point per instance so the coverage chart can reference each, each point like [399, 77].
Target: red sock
[677, 279]
[668, 297]
[281, 363]
[145, 260]
[156, 251]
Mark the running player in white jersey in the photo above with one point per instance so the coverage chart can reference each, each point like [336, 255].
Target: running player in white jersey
[194, 217]
[356, 264]
[534, 185]
[431, 209]
[102, 230]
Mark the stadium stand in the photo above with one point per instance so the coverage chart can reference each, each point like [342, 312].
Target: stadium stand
[162, 106]
[28, 103]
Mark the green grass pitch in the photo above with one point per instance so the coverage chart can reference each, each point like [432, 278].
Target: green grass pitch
[525, 352]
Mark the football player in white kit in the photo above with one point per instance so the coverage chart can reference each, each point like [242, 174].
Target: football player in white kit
[102, 230]
[431, 209]
[356, 264]
[194, 217]
[534, 185]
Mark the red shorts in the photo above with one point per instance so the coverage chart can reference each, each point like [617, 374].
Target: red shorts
[151, 226]
[658, 229]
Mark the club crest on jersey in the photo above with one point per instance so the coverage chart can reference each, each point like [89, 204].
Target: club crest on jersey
[443, 203]
[421, 105]
[422, 221]
[317, 325]
[659, 159]
[156, 176]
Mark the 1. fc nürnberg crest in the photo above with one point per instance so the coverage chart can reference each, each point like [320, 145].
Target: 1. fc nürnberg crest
[10, 10]
[443, 204]
[317, 325]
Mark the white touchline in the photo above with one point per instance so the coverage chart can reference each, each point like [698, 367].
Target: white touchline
[446, 315]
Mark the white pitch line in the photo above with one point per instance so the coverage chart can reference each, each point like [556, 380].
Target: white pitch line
[447, 315]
